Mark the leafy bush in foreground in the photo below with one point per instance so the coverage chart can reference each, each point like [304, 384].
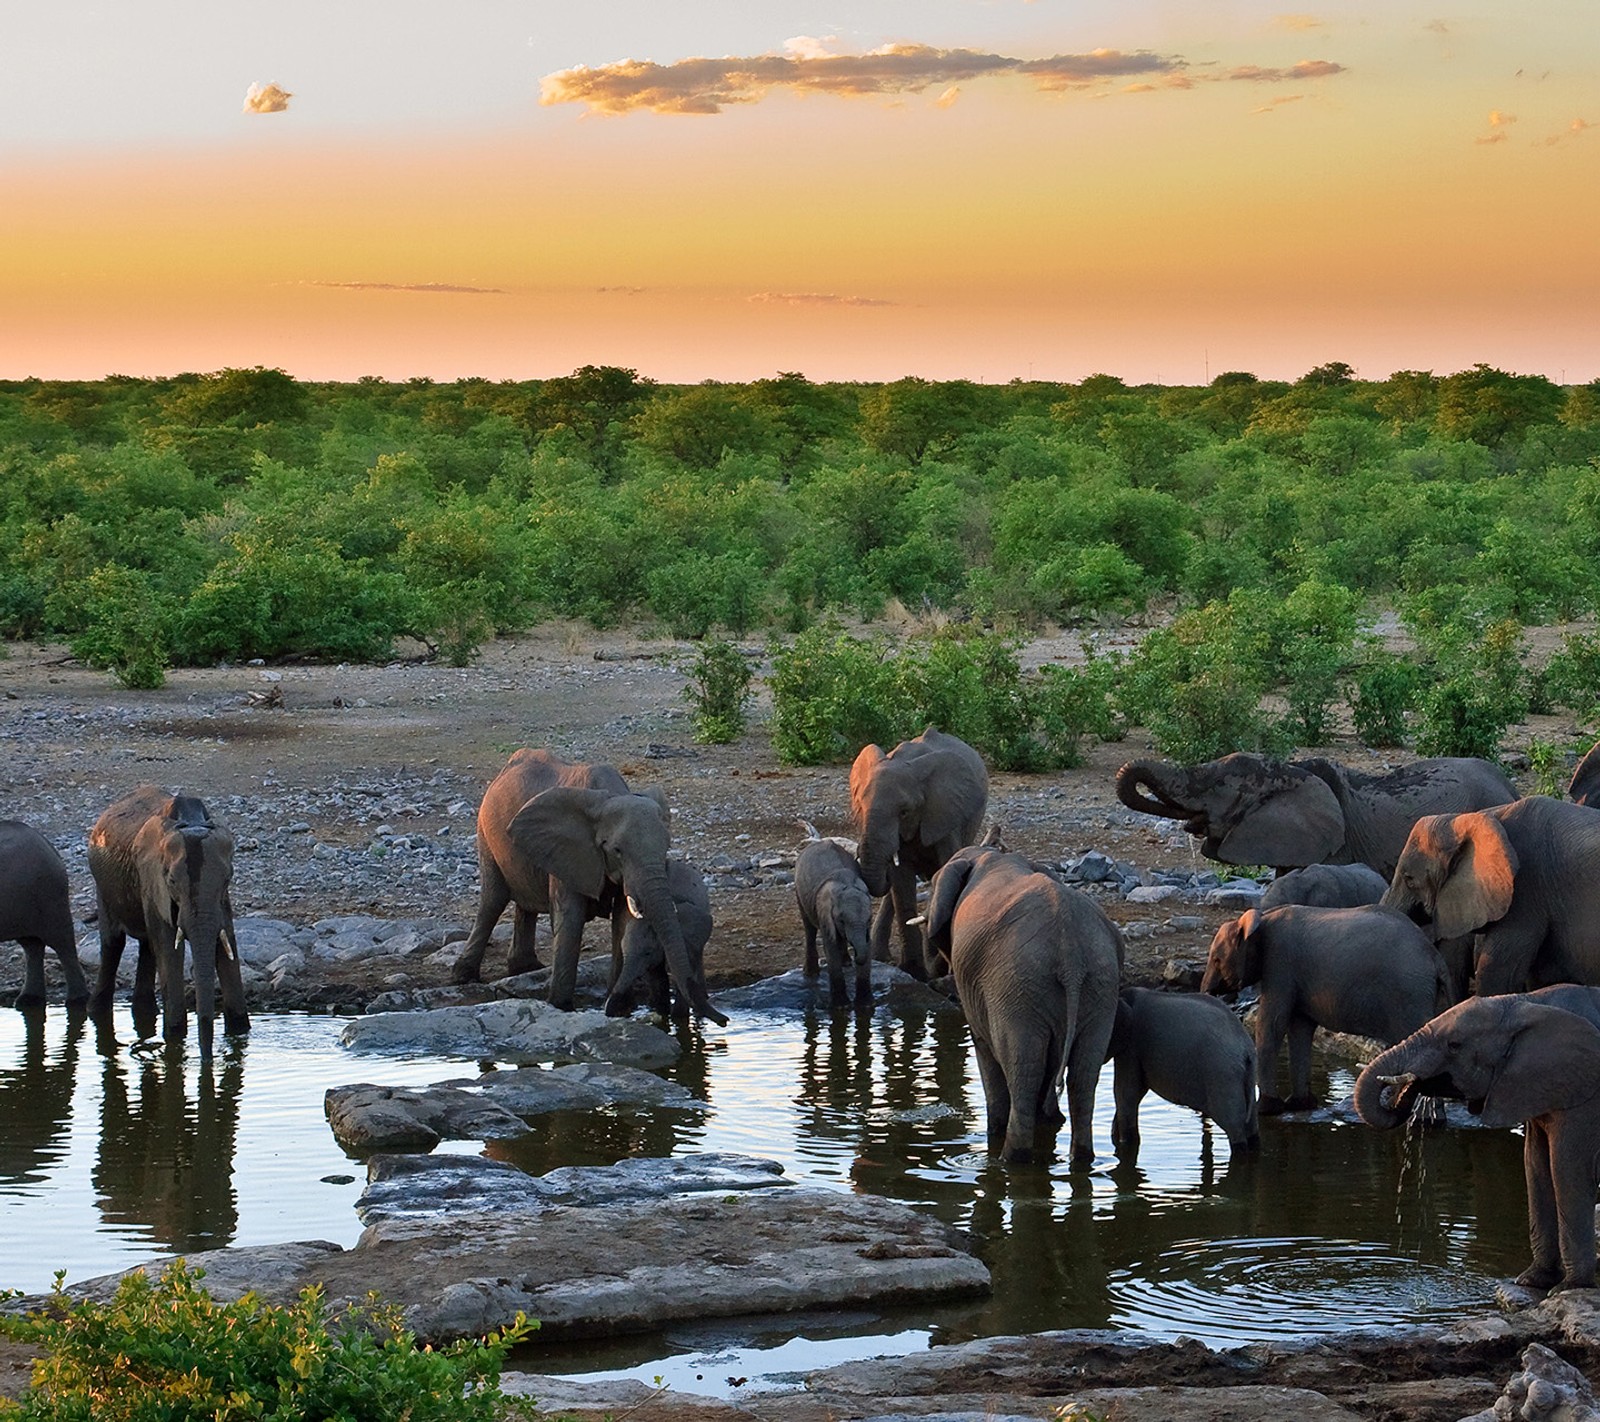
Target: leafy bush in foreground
[165, 1351]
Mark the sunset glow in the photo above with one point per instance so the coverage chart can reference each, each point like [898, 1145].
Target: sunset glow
[956, 189]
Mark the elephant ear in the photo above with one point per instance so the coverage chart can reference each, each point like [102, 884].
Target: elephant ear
[656, 793]
[943, 896]
[1552, 1064]
[555, 831]
[861, 773]
[952, 788]
[1302, 824]
[1480, 879]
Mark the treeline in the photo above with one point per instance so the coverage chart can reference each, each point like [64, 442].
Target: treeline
[245, 514]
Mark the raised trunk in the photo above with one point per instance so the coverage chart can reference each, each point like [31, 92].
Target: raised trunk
[1139, 776]
[658, 908]
[1391, 1083]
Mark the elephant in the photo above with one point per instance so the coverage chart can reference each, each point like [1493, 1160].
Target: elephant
[1584, 787]
[913, 809]
[36, 911]
[834, 903]
[1513, 1058]
[574, 841]
[1247, 809]
[1524, 878]
[1037, 967]
[644, 960]
[1326, 886]
[1190, 1049]
[162, 866]
[1369, 970]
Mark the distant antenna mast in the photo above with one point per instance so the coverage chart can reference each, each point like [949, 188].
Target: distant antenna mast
[1207, 353]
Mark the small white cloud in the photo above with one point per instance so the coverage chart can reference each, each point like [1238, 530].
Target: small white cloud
[946, 99]
[266, 99]
[810, 46]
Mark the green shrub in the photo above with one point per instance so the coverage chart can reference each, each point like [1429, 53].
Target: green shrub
[718, 693]
[1571, 678]
[165, 1351]
[1386, 692]
[1549, 777]
[1318, 628]
[1461, 716]
[832, 694]
[126, 627]
[1480, 688]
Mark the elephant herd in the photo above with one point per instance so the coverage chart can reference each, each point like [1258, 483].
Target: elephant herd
[1430, 908]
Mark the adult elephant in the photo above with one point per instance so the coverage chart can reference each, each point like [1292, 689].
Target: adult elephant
[1037, 968]
[1584, 787]
[573, 841]
[35, 911]
[162, 867]
[913, 809]
[1248, 809]
[1524, 878]
[1513, 1059]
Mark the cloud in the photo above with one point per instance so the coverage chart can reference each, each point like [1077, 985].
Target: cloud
[620, 290]
[946, 99]
[266, 99]
[1499, 122]
[1278, 102]
[1298, 22]
[815, 298]
[707, 86]
[1438, 27]
[1305, 69]
[1575, 129]
[431, 287]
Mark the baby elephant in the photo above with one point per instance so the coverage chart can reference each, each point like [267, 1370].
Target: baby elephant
[35, 910]
[640, 960]
[834, 903]
[1370, 971]
[1189, 1049]
[1327, 886]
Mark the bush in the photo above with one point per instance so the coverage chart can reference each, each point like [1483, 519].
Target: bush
[167, 1352]
[126, 627]
[832, 694]
[1386, 693]
[1481, 688]
[718, 693]
[1571, 678]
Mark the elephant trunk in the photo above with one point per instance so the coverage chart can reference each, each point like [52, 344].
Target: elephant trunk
[658, 909]
[204, 933]
[1392, 1082]
[880, 844]
[1406, 901]
[1138, 778]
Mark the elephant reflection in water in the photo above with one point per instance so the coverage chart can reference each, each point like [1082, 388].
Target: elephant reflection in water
[165, 1163]
[36, 1099]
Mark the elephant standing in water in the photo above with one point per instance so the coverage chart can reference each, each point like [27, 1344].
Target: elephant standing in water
[913, 809]
[835, 906]
[1037, 967]
[644, 958]
[162, 867]
[572, 840]
[1514, 1059]
[36, 911]
[1523, 878]
[1247, 809]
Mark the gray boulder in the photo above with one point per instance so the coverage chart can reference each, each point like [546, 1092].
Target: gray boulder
[366, 1118]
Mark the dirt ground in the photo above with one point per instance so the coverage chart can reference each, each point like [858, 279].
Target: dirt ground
[357, 794]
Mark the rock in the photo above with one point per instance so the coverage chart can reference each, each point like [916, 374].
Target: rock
[1184, 974]
[1154, 894]
[275, 1271]
[1091, 868]
[582, 1086]
[1206, 1404]
[1546, 1390]
[793, 991]
[366, 1118]
[521, 1031]
[612, 1397]
[1236, 894]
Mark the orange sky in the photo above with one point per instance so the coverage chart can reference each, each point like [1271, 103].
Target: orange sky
[1013, 190]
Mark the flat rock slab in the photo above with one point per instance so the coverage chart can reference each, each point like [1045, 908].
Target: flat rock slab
[521, 1031]
[794, 992]
[422, 1189]
[495, 1106]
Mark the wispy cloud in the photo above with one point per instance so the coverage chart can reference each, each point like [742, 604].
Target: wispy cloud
[707, 86]
[1499, 123]
[1277, 103]
[1299, 22]
[815, 298]
[430, 287]
[620, 290]
[266, 99]
[1576, 129]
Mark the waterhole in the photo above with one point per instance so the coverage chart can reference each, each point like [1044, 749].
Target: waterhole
[109, 1155]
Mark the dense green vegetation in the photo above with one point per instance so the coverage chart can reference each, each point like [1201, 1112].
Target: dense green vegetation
[243, 514]
[164, 1351]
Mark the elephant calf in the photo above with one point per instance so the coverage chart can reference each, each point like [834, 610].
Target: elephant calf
[1036, 966]
[1327, 886]
[36, 911]
[1370, 971]
[1514, 1058]
[641, 957]
[1190, 1049]
[834, 903]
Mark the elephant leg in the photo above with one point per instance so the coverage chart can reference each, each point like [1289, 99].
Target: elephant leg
[996, 1097]
[1086, 1054]
[113, 940]
[1571, 1156]
[493, 896]
[145, 1007]
[1128, 1090]
[1505, 957]
[812, 965]
[903, 893]
[568, 911]
[883, 929]
[863, 982]
[1546, 1227]
[1271, 1024]
[1301, 1031]
[32, 994]
[619, 927]
[835, 949]
[72, 971]
[174, 1009]
[524, 958]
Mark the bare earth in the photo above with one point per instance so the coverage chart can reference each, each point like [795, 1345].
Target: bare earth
[358, 794]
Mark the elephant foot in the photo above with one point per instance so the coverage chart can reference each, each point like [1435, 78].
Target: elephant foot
[1080, 1159]
[100, 1003]
[26, 999]
[530, 964]
[236, 1024]
[1302, 1103]
[464, 973]
[1271, 1106]
[1541, 1276]
[917, 970]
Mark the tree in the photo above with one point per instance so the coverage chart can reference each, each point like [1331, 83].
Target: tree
[1491, 407]
[1335, 372]
[913, 417]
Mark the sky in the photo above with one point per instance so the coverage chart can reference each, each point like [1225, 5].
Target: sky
[853, 189]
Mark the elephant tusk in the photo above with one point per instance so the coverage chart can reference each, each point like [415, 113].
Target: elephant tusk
[1405, 1079]
[230, 947]
[917, 922]
[633, 908]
